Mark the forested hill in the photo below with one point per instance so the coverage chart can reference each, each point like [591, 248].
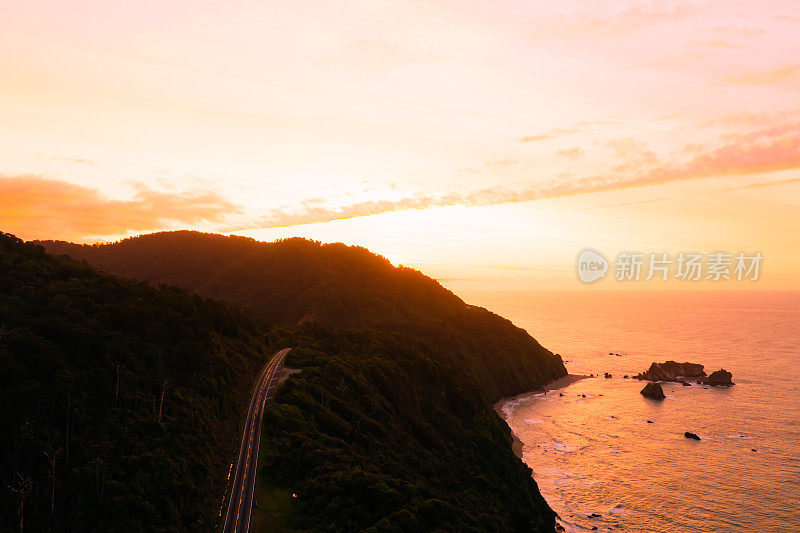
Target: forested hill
[121, 404]
[297, 280]
[121, 408]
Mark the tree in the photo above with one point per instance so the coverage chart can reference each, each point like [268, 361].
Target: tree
[164, 384]
[21, 490]
[118, 367]
[52, 455]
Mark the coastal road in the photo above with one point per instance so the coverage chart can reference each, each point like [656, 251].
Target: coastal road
[244, 482]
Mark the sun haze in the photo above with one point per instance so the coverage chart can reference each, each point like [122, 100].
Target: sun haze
[485, 143]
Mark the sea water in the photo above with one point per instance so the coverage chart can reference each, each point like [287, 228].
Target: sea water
[606, 457]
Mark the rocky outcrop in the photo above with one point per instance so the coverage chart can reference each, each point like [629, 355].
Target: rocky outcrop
[653, 391]
[690, 435]
[671, 371]
[719, 378]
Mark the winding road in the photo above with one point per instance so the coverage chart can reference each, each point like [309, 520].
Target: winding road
[244, 482]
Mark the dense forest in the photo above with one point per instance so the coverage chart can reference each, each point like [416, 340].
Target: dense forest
[297, 280]
[375, 434]
[123, 402]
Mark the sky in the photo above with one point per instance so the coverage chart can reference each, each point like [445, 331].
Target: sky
[485, 143]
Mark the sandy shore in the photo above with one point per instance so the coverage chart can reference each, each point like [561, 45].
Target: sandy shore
[560, 383]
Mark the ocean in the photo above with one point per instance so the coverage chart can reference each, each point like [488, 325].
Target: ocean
[598, 461]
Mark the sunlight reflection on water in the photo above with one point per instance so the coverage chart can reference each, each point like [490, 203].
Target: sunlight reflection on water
[600, 463]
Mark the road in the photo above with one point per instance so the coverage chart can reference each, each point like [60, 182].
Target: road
[244, 482]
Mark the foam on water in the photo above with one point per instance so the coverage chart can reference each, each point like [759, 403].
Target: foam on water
[598, 455]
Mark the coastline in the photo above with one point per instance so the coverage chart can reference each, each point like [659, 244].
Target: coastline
[560, 383]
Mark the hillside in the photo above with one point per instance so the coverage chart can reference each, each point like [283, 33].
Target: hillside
[297, 280]
[121, 403]
[377, 434]
[389, 425]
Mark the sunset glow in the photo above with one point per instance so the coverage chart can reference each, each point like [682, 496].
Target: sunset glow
[484, 143]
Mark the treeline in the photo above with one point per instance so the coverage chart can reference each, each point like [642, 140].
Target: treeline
[121, 404]
[296, 280]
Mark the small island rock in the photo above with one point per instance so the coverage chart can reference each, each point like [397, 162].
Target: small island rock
[690, 435]
[671, 371]
[719, 378]
[653, 391]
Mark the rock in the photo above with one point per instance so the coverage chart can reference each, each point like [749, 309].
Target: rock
[690, 435]
[719, 378]
[753, 450]
[653, 391]
[649, 421]
[686, 383]
[591, 375]
[561, 394]
[583, 396]
[610, 353]
[671, 371]
[625, 376]
[607, 375]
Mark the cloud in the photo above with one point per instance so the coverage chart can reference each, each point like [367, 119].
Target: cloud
[572, 153]
[78, 160]
[37, 207]
[714, 43]
[555, 133]
[748, 186]
[594, 19]
[779, 75]
[550, 134]
[628, 148]
[762, 151]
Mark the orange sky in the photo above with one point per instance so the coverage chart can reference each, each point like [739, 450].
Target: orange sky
[485, 143]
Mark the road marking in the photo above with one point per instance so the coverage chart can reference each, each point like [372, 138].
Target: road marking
[261, 395]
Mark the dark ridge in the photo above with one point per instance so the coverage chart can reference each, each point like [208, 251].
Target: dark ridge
[295, 280]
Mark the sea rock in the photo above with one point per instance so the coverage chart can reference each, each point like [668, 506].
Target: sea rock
[719, 378]
[690, 435]
[686, 383]
[653, 391]
[671, 371]
[607, 375]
